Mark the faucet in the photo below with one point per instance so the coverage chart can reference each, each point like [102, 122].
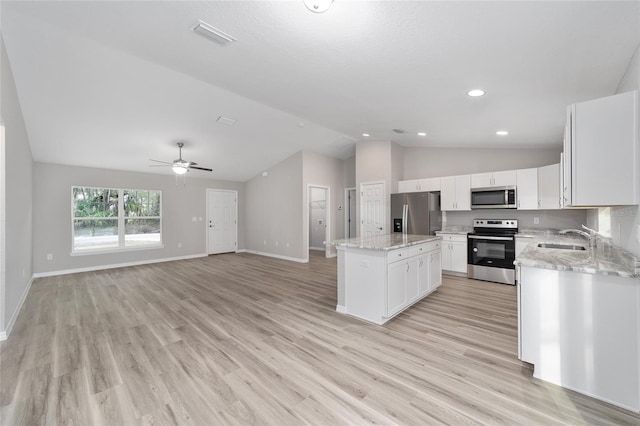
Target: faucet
[589, 235]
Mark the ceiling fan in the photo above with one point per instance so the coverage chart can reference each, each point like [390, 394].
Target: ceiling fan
[179, 166]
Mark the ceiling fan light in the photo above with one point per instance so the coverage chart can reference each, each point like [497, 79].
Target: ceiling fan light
[179, 168]
[318, 6]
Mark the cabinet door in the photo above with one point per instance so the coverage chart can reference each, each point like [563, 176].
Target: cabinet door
[458, 257]
[481, 180]
[424, 262]
[604, 151]
[566, 160]
[409, 185]
[396, 287]
[463, 192]
[413, 270]
[435, 269]
[446, 257]
[447, 192]
[527, 190]
[432, 184]
[505, 178]
[548, 187]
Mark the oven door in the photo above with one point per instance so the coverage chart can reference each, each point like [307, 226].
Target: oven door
[492, 251]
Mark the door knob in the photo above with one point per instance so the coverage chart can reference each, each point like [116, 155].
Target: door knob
[475, 250]
[380, 228]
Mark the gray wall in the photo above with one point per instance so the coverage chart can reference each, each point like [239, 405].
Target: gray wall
[180, 202]
[379, 161]
[326, 171]
[349, 172]
[625, 221]
[436, 162]
[18, 173]
[274, 215]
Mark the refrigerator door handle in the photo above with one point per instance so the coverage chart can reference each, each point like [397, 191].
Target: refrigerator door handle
[405, 213]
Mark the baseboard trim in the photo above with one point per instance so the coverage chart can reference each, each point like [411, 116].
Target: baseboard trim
[115, 265]
[332, 255]
[5, 334]
[277, 256]
[317, 248]
[341, 309]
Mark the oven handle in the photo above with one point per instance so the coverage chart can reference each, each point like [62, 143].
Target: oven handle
[480, 237]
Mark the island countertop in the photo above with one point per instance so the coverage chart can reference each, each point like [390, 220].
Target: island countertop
[385, 242]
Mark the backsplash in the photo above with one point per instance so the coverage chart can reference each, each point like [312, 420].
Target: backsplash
[554, 219]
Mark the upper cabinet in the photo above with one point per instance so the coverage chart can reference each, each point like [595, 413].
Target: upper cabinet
[419, 185]
[455, 193]
[601, 152]
[487, 180]
[549, 187]
[527, 191]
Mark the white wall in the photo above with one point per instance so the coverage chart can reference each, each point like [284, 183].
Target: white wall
[327, 171]
[18, 169]
[625, 221]
[274, 215]
[436, 162]
[180, 203]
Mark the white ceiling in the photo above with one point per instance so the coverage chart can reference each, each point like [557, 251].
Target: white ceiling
[112, 84]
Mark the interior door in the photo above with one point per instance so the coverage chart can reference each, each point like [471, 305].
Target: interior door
[222, 223]
[372, 196]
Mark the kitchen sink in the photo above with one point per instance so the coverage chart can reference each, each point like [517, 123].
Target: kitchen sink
[561, 246]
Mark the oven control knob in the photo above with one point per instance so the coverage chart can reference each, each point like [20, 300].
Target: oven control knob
[475, 250]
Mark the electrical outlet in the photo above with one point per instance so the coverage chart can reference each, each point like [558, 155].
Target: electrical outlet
[276, 244]
[638, 233]
[179, 245]
[536, 221]
[49, 256]
[287, 244]
[265, 242]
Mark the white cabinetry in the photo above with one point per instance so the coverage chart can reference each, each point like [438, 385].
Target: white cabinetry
[527, 190]
[454, 253]
[380, 284]
[455, 192]
[487, 180]
[548, 187]
[601, 152]
[419, 185]
[582, 331]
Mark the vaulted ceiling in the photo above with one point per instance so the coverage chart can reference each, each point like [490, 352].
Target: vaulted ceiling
[112, 84]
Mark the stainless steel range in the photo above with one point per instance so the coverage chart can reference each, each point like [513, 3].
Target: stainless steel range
[492, 250]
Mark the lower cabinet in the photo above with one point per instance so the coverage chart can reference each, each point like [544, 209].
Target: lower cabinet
[454, 253]
[380, 284]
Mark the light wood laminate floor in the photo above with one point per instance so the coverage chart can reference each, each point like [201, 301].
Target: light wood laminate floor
[244, 339]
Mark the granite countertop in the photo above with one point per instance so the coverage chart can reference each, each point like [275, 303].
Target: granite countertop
[385, 242]
[607, 259]
[456, 229]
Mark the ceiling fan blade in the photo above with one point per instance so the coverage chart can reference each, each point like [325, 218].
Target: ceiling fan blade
[159, 165]
[201, 168]
[158, 161]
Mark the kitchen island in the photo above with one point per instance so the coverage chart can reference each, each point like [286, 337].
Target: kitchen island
[381, 276]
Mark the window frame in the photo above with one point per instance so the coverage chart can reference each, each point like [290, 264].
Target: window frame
[120, 219]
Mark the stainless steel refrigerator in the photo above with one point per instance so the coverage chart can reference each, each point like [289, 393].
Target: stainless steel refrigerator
[416, 213]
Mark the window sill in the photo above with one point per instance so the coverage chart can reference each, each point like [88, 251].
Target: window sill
[116, 250]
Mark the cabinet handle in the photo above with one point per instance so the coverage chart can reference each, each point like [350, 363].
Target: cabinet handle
[407, 267]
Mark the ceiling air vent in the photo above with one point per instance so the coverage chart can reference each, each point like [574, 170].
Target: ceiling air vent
[213, 33]
[225, 120]
[399, 131]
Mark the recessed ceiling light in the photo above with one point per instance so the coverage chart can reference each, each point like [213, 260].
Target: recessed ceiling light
[422, 134]
[502, 133]
[213, 33]
[475, 93]
[366, 135]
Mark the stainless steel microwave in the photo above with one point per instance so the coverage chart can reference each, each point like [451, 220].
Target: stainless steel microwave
[503, 197]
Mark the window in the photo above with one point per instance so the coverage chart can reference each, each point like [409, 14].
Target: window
[107, 219]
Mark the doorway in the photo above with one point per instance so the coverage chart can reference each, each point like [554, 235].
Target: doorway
[318, 211]
[222, 221]
[372, 207]
[350, 219]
